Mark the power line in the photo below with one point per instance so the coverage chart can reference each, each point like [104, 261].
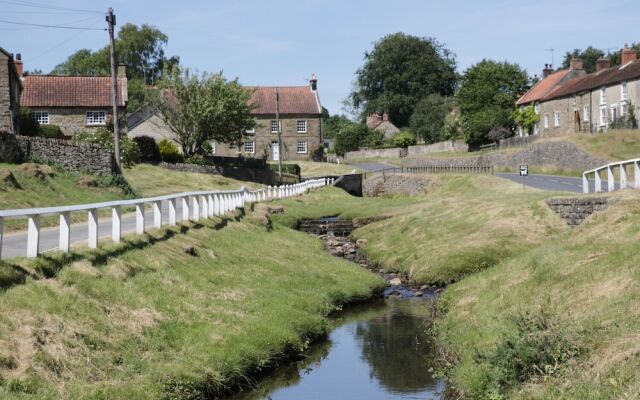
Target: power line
[53, 26]
[47, 6]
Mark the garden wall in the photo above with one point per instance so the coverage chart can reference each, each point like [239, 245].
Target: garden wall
[264, 176]
[447, 146]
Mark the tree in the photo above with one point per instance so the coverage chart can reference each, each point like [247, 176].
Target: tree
[488, 92]
[589, 56]
[526, 117]
[201, 108]
[428, 117]
[452, 128]
[404, 138]
[399, 72]
[334, 124]
[354, 136]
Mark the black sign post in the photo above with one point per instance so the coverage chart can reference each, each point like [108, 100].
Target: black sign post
[524, 172]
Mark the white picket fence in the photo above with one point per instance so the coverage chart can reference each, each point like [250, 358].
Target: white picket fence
[195, 205]
[611, 182]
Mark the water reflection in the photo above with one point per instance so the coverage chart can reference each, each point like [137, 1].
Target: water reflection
[374, 352]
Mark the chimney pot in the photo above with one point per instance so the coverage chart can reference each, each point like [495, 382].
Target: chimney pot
[314, 82]
[548, 70]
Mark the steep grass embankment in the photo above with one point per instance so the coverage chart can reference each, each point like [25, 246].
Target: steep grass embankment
[145, 320]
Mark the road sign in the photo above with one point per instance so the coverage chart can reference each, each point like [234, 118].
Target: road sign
[524, 170]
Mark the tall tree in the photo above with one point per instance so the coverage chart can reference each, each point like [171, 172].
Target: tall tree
[589, 57]
[400, 71]
[488, 92]
[201, 108]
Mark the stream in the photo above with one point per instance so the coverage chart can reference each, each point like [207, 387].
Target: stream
[377, 351]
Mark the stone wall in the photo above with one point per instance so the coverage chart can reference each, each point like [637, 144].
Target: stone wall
[9, 95]
[264, 176]
[575, 210]
[559, 154]
[394, 152]
[390, 185]
[89, 158]
[457, 146]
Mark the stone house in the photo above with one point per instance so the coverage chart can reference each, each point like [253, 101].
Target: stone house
[581, 102]
[300, 113]
[10, 90]
[74, 103]
[380, 122]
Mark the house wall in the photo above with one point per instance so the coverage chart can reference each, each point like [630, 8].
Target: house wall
[156, 128]
[74, 120]
[9, 96]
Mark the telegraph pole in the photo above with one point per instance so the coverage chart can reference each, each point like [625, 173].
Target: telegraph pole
[279, 135]
[111, 21]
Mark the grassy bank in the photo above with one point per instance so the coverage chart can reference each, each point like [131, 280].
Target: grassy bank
[146, 320]
[312, 168]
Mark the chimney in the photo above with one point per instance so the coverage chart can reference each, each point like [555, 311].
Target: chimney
[576, 63]
[628, 55]
[19, 66]
[602, 63]
[122, 71]
[313, 82]
[385, 117]
[373, 120]
[548, 70]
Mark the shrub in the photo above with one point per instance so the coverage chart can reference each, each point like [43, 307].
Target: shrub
[317, 154]
[197, 159]
[51, 131]
[129, 152]
[404, 138]
[148, 148]
[498, 133]
[29, 126]
[354, 136]
[169, 152]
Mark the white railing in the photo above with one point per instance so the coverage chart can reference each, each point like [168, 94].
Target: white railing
[611, 182]
[194, 205]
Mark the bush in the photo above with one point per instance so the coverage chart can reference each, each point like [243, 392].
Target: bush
[317, 154]
[354, 136]
[148, 148]
[28, 124]
[169, 152]
[129, 152]
[293, 169]
[404, 138]
[51, 131]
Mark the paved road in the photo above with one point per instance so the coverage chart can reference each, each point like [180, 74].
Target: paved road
[15, 244]
[372, 166]
[554, 183]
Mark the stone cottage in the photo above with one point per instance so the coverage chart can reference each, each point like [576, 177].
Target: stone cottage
[573, 101]
[74, 103]
[300, 114]
[10, 89]
[380, 122]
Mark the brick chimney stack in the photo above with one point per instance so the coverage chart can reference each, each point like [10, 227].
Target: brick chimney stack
[628, 55]
[602, 63]
[313, 82]
[576, 63]
[374, 119]
[18, 63]
[122, 71]
[548, 70]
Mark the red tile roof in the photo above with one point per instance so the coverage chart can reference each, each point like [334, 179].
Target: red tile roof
[69, 91]
[596, 80]
[293, 100]
[546, 85]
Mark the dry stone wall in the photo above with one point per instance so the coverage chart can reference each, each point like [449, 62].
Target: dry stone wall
[575, 210]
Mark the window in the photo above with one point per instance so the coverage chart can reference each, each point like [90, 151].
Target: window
[96, 117]
[556, 118]
[302, 147]
[603, 96]
[274, 126]
[603, 116]
[42, 117]
[624, 92]
[249, 147]
[586, 114]
[546, 121]
[250, 132]
[301, 126]
[614, 112]
[623, 109]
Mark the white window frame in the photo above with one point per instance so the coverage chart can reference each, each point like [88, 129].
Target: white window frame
[603, 116]
[586, 114]
[96, 118]
[556, 119]
[603, 96]
[252, 147]
[275, 123]
[301, 126]
[623, 109]
[41, 116]
[614, 112]
[624, 91]
[302, 147]
[251, 131]
[546, 121]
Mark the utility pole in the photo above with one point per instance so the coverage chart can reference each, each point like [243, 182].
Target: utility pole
[279, 135]
[111, 21]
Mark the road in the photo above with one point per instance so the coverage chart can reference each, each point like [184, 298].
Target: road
[372, 166]
[15, 244]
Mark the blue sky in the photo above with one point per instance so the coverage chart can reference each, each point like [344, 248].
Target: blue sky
[282, 42]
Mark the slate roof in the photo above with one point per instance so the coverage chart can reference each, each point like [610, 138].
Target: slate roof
[293, 100]
[70, 91]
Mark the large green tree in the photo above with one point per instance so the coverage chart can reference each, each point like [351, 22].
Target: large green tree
[354, 136]
[488, 92]
[400, 71]
[201, 108]
[428, 117]
[141, 49]
[334, 124]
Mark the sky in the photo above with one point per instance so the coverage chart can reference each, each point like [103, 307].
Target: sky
[283, 42]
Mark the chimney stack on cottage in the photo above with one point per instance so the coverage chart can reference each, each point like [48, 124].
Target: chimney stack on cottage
[628, 55]
[602, 63]
[548, 70]
[313, 82]
[576, 63]
[18, 63]
[122, 71]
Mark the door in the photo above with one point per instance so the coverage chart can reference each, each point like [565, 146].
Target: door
[275, 151]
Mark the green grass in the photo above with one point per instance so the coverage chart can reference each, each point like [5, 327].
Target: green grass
[615, 145]
[144, 320]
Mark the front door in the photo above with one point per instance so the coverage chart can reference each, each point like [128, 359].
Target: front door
[275, 151]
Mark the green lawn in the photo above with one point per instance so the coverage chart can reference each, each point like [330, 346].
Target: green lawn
[145, 320]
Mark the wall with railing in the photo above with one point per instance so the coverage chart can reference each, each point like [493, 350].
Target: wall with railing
[622, 169]
[189, 206]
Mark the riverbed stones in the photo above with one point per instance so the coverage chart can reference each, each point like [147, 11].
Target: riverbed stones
[395, 282]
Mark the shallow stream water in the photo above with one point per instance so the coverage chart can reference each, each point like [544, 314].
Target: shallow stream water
[374, 352]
